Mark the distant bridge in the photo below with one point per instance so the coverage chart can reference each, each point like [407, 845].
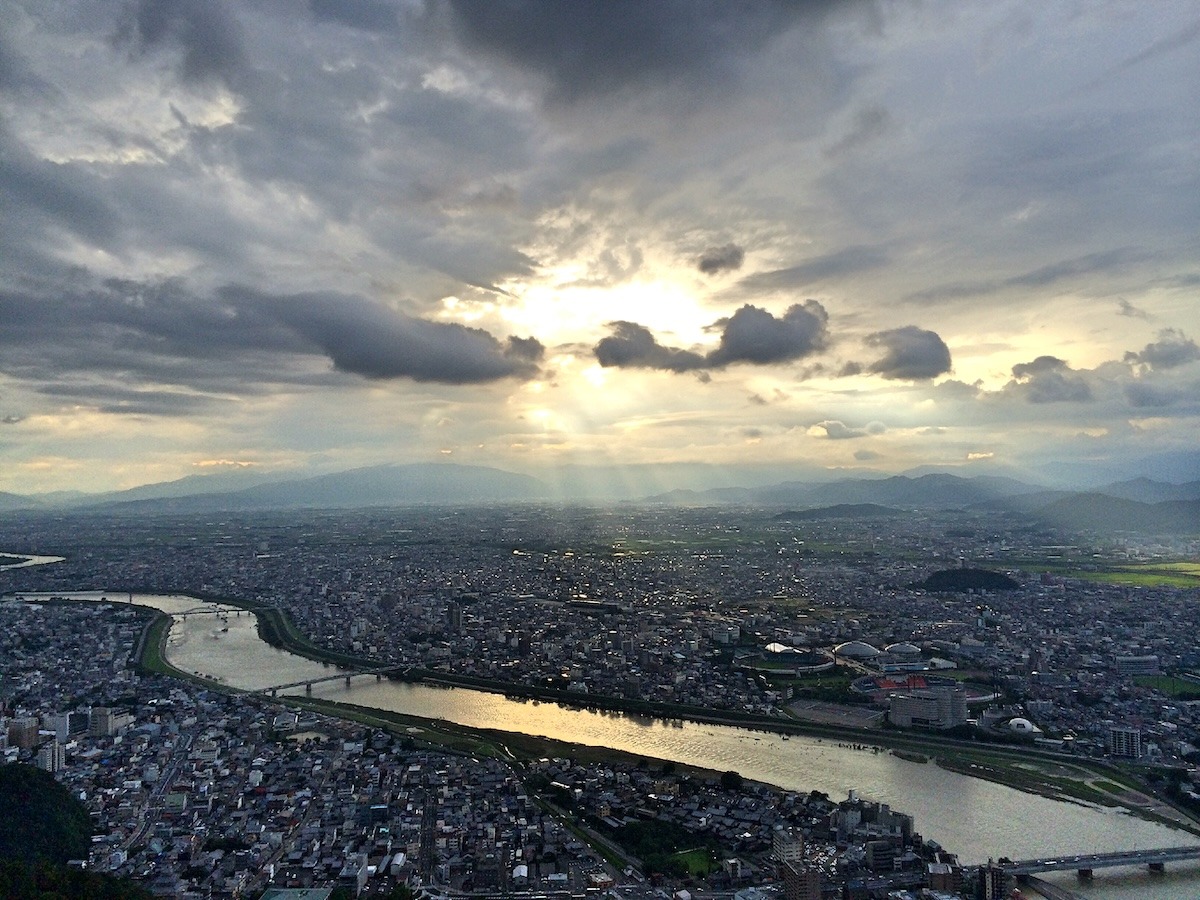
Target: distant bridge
[210, 610]
[379, 672]
[1085, 863]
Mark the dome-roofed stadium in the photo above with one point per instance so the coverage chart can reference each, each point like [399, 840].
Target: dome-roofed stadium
[1023, 726]
[856, 650]
[903, 649]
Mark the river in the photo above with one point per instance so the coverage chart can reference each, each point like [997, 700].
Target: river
[23, 561]
[968, 816]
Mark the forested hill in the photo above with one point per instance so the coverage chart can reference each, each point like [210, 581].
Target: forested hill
[42, 827]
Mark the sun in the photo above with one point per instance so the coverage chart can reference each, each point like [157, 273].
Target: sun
[562, 310]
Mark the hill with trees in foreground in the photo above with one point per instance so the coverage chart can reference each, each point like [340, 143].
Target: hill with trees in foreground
[42, 827]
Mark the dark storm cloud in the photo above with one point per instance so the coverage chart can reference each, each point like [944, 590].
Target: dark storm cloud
[365, 15]
[848, 261]
[529, 348]
[42, 198]
[77, 341]
[910, 353]
[1049, 379]
[154, 331]
[751, 335]
[591, 47]
[410, 179]
[720, 259]
[633, 346]
[204, 32]
[754, 335]
[365, 338]
[1173, 348]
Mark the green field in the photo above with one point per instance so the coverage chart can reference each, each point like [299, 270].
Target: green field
[1157, 574]
[698, 862]
[1170, 685]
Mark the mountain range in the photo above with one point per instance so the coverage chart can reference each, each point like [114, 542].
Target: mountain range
[1140, 504]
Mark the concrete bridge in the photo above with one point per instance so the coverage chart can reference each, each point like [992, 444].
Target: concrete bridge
[1085, 864]
[379, 673]
[225, 611]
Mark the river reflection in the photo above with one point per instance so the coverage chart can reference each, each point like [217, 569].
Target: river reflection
[973, 818]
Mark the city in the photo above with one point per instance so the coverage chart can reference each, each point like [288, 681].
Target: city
[743, 613]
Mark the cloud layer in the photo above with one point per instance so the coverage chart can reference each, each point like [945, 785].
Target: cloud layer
[911, 235]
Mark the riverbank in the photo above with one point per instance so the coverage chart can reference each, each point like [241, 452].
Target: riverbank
[1033, 773]
[1058, 776]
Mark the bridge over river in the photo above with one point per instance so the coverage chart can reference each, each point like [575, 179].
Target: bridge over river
[379, 672]
[1085, 864]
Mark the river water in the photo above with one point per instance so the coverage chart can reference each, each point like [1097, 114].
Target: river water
[968, 816]
[21, 561]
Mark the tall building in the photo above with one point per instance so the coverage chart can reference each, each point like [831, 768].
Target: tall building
[881, 857]
[100, 722]
[991, 883]
[50, 757]
[787, 845]
[66, 725]
[945, 877]
[1124, 742]
[936, 707]
[800, 882]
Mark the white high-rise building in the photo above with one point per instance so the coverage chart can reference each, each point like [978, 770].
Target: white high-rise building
[50, 757]
[1124, 742]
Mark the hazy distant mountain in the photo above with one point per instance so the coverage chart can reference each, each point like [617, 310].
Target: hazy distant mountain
[1177, 466]
[1147, 490]
[61, 498]
[1123, 506]
[398, 485]
[1105, 514]
[933, 491]
[683, 483]
[9, 502]
[190, 486]
[989, 469]
[842, 511]
[711, 497]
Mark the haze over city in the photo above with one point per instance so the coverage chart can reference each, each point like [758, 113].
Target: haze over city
[717, 243]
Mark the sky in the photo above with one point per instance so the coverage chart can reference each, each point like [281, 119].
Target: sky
[747, 240]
